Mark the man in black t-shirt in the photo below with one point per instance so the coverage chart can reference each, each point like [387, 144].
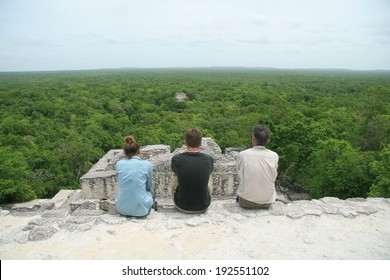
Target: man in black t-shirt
[191, 193]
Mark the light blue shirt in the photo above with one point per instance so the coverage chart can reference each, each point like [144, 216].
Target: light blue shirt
[135, 182]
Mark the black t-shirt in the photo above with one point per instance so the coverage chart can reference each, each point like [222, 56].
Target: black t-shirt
[193, 173]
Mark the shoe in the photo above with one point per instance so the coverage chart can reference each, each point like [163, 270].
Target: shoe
[154, 206]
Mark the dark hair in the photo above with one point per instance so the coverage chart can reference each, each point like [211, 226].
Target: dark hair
[131, 146]
[262, 135]
[193, 138]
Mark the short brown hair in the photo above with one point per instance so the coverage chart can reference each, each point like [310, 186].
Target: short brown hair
[262, 135]
[193, 138]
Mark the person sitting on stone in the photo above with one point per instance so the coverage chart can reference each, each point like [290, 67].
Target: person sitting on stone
[192, 171]
[257, 171]
[136, 195]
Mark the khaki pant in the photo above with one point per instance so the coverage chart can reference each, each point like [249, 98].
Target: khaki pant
[174, 184]
[252, 205]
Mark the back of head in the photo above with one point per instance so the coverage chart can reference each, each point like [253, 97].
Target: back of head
[131, 147]
[193, 138]
[262, 135]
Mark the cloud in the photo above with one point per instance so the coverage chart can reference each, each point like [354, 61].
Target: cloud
[190, 32]
[35, 41]
[254, 40]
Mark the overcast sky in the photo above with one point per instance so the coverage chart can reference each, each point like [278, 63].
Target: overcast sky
[91, 34]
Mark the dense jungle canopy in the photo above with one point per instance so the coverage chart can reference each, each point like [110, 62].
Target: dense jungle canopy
[331, 129]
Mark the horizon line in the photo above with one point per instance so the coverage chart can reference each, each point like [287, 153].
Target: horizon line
[200, 67]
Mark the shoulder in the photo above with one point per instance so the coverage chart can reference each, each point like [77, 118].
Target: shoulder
[120, 162]
[245, 152]
[206, 156]
[177, 156]
[272, 153]
[147, 163]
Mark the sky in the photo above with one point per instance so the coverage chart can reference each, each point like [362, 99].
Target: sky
[45, 35]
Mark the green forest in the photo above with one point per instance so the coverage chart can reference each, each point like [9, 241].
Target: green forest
[331, 129]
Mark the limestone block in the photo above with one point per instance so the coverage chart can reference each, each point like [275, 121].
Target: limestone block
[347, 212]
[80, 219]
[112, 219]
[87, 212]
[4, 213]
[150, 151]
[278, 209]
[41, 233]
[370, 209]
[108, 206]
[55, 214]
[107, 162]
[331, 200]
[295, 213]
[43, 222]
[329, 209]
[312, 211]
[61, 198]
[75, 227]
[33, 205]
[100, 184]
[89, 204]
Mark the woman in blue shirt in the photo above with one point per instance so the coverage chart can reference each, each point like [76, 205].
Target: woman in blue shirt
[136, 188]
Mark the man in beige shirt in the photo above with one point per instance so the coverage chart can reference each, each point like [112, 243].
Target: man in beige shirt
[257, 171]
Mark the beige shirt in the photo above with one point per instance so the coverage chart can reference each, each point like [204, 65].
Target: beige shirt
[257, 171]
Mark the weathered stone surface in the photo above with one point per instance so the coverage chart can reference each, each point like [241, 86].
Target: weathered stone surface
[4, 212]
[347, 212]
[151, 151]
[99, 184]
[356, 199]
[41, 233]
[313, 211]
[21, 238]
[87, 212]
[174, 224]
[277, 212]
[370, 209]
[331, 200]
[108, 206]
[224, 211]
[69, 227]
[55, 214]
[86, 204]
[45, 222]
[329, 209]
[61, 198]
[34, 205]
[295, 213]
[75, 227]
[81, 219]
[196, 221]
[24, 214]
[112, 219]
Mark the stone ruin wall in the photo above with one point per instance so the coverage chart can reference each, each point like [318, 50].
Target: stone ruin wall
[100, 182]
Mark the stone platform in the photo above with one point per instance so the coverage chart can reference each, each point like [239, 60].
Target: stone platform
[328, 228]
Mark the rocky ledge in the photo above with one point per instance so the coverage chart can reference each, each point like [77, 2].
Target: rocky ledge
[38, 222]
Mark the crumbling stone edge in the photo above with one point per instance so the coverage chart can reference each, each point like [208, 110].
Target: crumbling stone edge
[68, 211]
